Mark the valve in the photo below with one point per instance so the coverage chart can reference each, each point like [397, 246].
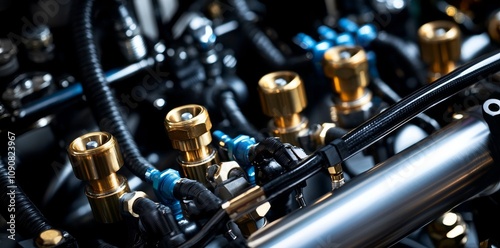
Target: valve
[188, 128]
[347, 66]
[96, 158]
[440, 47]
[282, 96]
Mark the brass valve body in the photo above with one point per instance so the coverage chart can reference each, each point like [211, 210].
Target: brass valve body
[440, 47]
[96, 158]
[282, 97]
[188, 128]
[347, 66]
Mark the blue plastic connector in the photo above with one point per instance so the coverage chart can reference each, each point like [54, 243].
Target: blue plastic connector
[163, 185]
[326, 33]
[366, 34]
[238, 150]
[345, 39]
[348, 26]
[304, 41]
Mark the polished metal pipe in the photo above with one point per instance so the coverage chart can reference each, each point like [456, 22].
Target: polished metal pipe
[386, 203]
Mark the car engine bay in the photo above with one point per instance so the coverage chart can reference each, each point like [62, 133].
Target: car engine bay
[250, 123]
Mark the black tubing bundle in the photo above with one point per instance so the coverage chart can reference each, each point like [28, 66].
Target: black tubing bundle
[29, 220]
[98, 93]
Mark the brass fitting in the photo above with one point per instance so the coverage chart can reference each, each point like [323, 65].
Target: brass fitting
[96, 158]
[188, 128]
[347, 66]
[449, 230]
[251, 222]
[494, 27]
[244, 203]
[255, 219]
[282, 97]
[336, 175]
[49, 238]
[440, 47]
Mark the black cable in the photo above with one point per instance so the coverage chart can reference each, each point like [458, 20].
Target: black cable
[258, 38]
[420, 100]
[237, 119]
[386, 43]
[204, 199]
[422, 120]
[30, 222]
[97, 91]
[158, 221]
[206, 233]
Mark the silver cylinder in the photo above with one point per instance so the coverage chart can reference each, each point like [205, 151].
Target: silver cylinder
[386, 203]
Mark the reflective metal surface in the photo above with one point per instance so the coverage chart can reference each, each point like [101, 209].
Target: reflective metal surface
[381, 206]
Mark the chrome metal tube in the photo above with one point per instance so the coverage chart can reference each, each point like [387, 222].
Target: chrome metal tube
[386, 203]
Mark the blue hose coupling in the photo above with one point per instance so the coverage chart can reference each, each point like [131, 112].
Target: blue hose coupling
[348, 26]
[366, 34]
[345, 39]
[326, 33]
[304, 41]
[163, 185]
[238, 150]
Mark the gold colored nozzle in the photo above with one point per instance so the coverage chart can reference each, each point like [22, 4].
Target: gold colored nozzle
[95, 155]
[348, 68]
[96, 158]
[188, 128]
[440, 46]
[283, 97]
[282, 94]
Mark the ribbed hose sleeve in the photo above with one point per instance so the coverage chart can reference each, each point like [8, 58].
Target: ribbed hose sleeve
[237, 119]
[29, 220]
[98, 94]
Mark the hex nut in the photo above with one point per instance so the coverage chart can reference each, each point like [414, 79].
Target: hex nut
[49, 238]
[128, 200]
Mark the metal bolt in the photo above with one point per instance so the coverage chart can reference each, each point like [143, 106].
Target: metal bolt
[345, 55]
[186, 116]
[91, 144]
[49, 238]
[280, 81]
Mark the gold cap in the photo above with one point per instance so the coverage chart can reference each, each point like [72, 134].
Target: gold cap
[348, 68]
[282, 94]
[440, 45]
[95, 155]
[188, 127]
[494, 27]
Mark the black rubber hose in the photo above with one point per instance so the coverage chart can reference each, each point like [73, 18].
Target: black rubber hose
[386, 43]
[98, 93]
[203, 198]
[159, 221]
[422, 120]
[208, 230]
[258, 38]
[30, 222]
[237, 119]
[431, 94]
[285, 154]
